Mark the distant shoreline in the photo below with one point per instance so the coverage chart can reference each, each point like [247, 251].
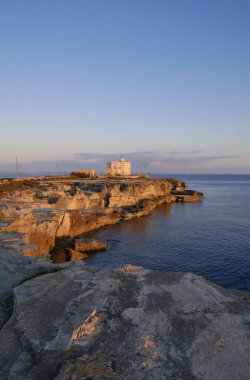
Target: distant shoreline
[25, 174]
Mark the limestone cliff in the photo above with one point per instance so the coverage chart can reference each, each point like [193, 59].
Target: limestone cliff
[55, 209]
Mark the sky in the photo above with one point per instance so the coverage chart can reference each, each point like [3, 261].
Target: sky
[166, 82]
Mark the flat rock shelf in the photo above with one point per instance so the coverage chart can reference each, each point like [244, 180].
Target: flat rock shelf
[125, 323]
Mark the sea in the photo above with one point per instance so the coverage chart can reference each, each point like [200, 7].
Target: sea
[210, 238]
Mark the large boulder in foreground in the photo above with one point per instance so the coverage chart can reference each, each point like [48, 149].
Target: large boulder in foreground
[128, 323]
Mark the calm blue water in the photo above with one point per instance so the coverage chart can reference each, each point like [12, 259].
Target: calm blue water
[210, 238]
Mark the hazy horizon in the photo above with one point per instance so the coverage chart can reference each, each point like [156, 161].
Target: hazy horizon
[165, 82]
[140, 164]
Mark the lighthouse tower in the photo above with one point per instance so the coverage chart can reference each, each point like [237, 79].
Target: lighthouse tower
[121, 168]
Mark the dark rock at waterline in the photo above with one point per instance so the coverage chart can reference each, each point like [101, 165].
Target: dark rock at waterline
[70, 249]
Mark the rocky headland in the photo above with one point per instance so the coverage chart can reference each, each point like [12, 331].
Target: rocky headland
[43, 212]
[64, 320]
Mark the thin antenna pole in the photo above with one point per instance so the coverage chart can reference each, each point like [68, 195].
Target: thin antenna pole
[16, 168]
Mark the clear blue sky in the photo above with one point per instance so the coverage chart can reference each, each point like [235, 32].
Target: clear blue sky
[165, 81]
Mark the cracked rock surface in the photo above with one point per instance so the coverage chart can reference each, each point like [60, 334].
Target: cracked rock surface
[125, 323]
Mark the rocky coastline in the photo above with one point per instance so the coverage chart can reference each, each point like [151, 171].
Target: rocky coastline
[45, 211]
[65, 320]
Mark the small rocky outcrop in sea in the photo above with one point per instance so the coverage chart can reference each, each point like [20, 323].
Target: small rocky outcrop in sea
[75, 249]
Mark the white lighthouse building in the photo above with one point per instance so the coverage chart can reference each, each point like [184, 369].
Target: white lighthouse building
[118, 168]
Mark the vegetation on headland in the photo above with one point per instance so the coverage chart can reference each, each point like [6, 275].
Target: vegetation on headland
[13, 185]
[61, 177]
